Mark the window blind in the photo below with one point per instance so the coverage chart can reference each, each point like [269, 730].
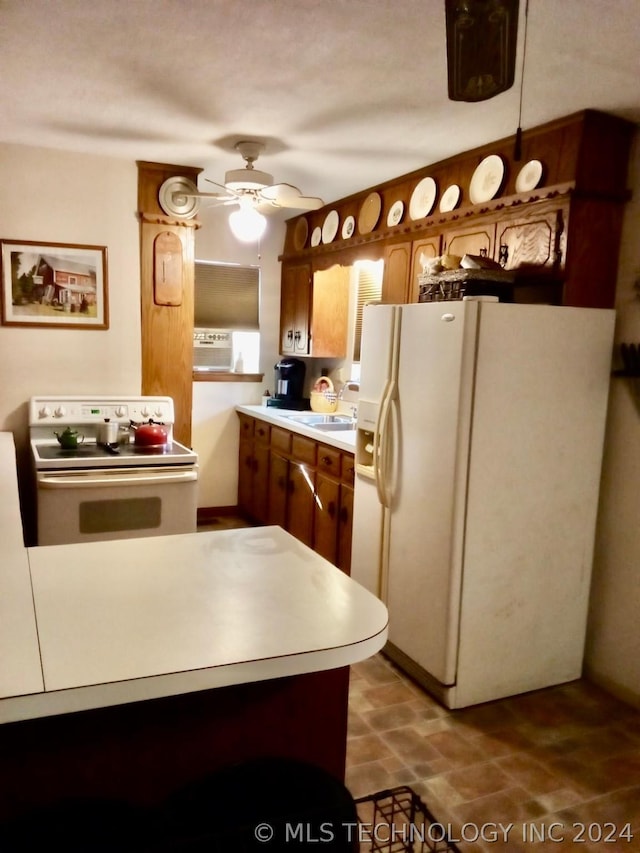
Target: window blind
[369, 290]
[227, 296]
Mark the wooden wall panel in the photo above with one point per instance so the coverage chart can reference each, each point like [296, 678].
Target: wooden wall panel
[167, 330]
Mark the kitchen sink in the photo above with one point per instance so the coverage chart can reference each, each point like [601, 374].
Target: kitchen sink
[325, 422]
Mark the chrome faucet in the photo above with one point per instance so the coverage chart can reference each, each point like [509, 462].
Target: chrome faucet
[350, 385]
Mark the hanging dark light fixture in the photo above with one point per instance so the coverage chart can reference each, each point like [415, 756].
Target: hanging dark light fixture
[481, 47]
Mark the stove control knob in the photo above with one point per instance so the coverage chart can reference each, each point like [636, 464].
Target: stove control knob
[59, 412]
[158, 412]
[44, 412]
[144, 412]
[120, 411]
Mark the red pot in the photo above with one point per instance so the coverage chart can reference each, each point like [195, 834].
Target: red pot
[150, 434]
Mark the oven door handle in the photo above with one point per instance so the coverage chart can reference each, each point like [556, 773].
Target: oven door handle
[86, 481]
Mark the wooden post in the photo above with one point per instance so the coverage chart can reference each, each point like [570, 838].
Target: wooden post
[166, 294]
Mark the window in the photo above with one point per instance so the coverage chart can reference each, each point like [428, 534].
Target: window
[369, 290]
[227, 298]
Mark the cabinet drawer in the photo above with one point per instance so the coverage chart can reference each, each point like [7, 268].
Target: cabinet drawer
[281, 439]
[328, 460]
[262, 432]
[348, 468]
[246, 426]
[304, 449]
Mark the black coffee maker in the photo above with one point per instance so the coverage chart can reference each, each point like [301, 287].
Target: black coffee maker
[289, 381]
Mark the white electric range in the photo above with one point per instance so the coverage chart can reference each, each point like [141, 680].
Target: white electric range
[121, 490]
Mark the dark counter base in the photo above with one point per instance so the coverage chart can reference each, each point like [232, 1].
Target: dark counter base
[144, 752]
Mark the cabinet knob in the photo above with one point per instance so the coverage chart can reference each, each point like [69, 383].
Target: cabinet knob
[290, 335]
[327, 460]
[331, 509]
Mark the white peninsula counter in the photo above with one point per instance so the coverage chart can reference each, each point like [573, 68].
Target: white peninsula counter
[159, 659]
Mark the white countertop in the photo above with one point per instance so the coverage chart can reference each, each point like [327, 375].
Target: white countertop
[342, 439]
[134, 619]
[20, 670]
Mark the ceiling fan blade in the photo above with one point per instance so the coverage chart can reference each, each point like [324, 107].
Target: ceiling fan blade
[286, 195]
[227, 191]
[302, 202]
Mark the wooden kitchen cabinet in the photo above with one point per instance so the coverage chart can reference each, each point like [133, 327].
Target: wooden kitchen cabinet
[334, 506]
[253, 475]
[476, 239]
[421, 251]
[314, 311]
[533, 239]
[307, 488]
[295, 306]
[395, 278]
[292, 483]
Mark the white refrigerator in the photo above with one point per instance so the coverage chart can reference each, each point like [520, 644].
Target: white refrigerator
[478, 454]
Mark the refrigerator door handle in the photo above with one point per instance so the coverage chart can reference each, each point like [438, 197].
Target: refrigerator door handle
[381, 445]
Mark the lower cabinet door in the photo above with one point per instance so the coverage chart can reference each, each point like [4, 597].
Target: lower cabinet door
[326, 517]
[278, 489]
[260, 496]
[345, 525]
[301, 502]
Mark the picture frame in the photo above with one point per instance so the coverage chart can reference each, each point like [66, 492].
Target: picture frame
[54, 285]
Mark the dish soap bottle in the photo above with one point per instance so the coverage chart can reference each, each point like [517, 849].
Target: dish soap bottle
[239, 365]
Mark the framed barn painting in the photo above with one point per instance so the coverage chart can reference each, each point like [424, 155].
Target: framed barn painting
[54, 285]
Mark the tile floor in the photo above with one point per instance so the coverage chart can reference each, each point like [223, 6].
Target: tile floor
[549, 762]
[567, 756]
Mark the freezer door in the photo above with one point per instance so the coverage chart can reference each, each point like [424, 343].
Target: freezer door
[378, 360]
[426, 530]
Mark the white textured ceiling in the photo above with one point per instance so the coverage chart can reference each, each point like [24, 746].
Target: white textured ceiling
[345, 93]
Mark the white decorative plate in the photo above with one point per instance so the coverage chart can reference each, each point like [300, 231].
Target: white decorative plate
[330, 226]
[487, 179]
[529, 176]
[395, 213]
[316, 236]
[450, 198]
[348, 227]
[423, 198]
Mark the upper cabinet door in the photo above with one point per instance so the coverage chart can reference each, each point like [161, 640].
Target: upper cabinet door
[422, 250]
[533, 239]
[476, 239]
[395, 279]
[295, 301]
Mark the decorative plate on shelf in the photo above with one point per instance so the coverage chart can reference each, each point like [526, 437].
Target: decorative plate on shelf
[330, 226]
[423, 198]
[348, 227]
[369, 213]
[316, 236]
[450, 198]
[395, 213]
[487, 179]
[300, 234]
[529, 176]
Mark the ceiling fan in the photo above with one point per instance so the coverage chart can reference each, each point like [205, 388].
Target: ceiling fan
[249, 188]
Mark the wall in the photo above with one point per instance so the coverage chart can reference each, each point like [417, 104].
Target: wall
[613, 641]
[215, 423]
[70, 198]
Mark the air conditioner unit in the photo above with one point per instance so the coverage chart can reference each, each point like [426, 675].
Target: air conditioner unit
[212, 349]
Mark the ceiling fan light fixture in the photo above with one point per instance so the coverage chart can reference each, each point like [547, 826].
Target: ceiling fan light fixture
[247, 179]
[481, 47]
[247, 224]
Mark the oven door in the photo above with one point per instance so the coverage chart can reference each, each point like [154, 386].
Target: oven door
[99, 504]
